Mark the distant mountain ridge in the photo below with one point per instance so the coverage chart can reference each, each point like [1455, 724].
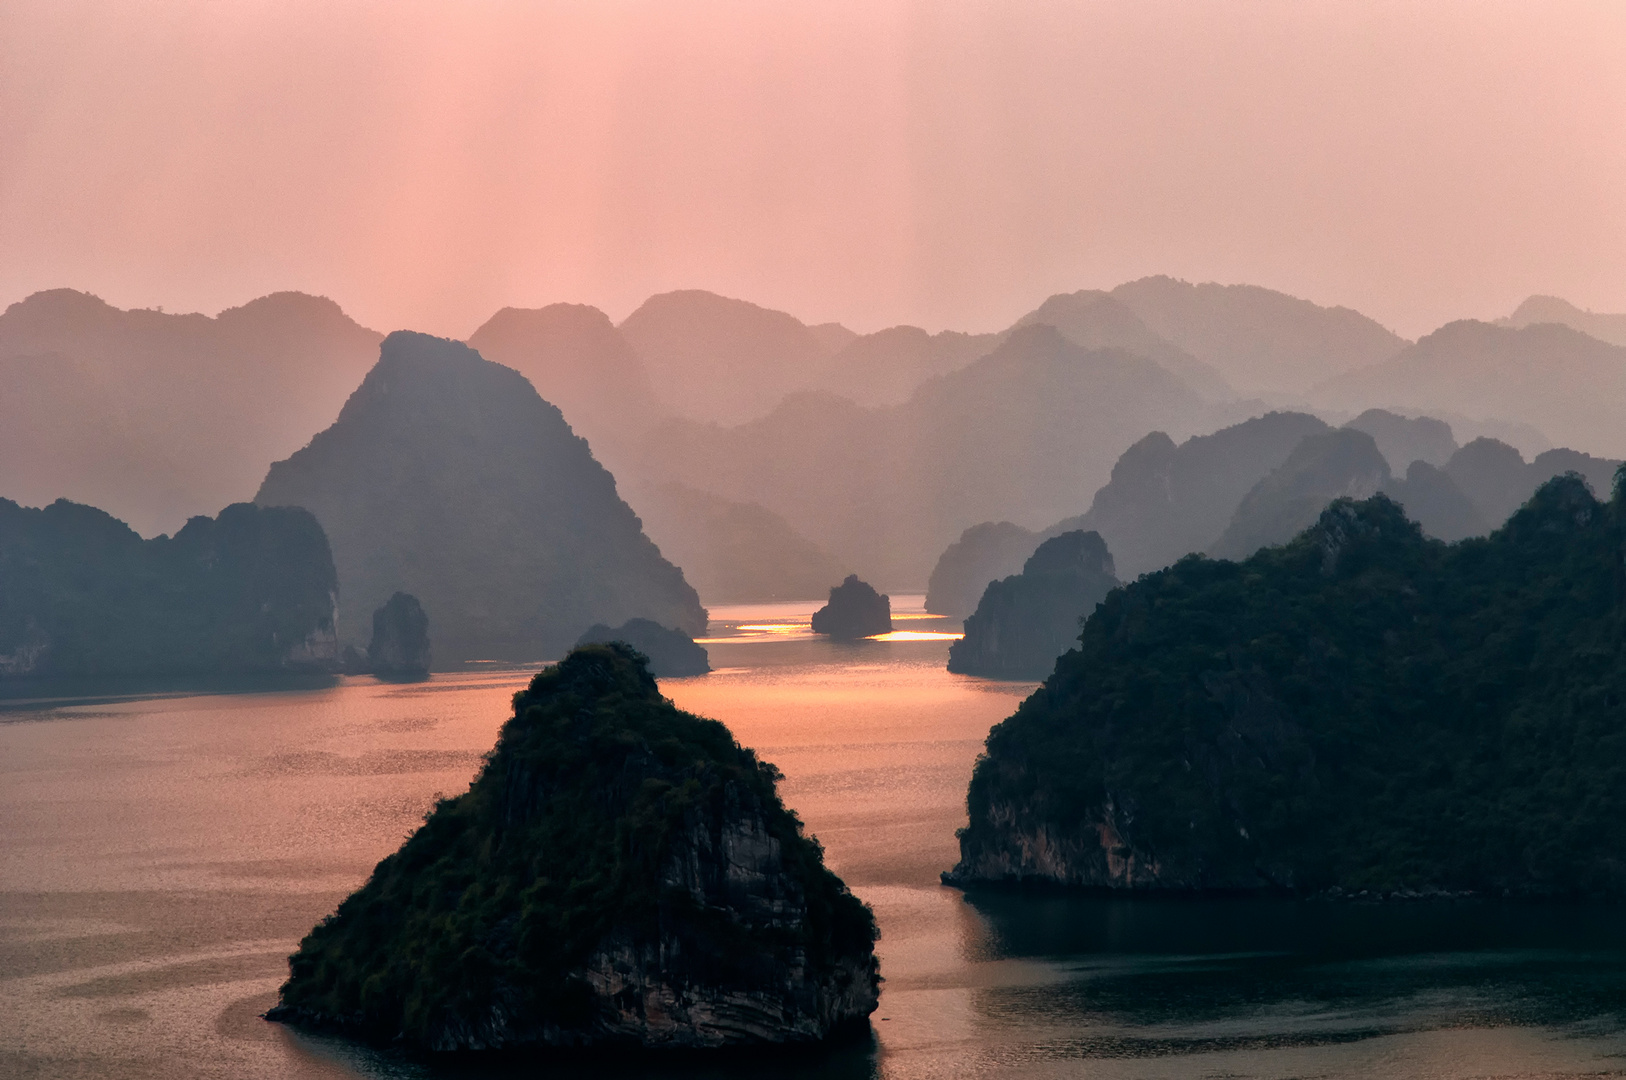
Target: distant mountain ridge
[1098, 320]
[1566, 383]
[1553, 309]
[1025, 433]
[712, 358]
[158, 417]
[1259, 339]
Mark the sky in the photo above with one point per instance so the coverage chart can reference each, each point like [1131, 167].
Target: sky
[943, 164]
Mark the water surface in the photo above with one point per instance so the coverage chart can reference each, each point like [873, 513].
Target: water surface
[162, 856]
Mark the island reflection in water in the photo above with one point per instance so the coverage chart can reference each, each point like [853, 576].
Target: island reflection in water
[164, 855]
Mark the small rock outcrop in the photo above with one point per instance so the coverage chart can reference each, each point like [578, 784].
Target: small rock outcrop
[671, 653]
[1027, 620]
[855, 610]
[400, 647]
[620, 874]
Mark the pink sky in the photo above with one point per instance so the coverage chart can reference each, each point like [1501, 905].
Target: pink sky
[945, 164]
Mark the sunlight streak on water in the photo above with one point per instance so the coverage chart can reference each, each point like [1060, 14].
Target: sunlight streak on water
[793, 620]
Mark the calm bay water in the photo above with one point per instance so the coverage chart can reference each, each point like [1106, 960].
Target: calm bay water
[162, 856]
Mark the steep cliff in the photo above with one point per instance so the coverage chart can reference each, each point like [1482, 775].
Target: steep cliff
[1024, 622]
[446, 476]
[1364, 708]
[620, 873]
[250, 591]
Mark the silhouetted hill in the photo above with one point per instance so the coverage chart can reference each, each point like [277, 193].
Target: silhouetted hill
[1363, 709]
[1569, 385]
[1552, 309]
[1024, 434]
[712, 358]
[159, 417]
[733, 552]
[983, 554]
[619, 874]
[251, 591]
[1432, 499]
[399, 648]
[670, 653]
[1260, 340]
[448, 477]
[1496, 479]
[886, 367]
[1024, 622]
[833, 336]
[1403, 440]
[1344, 463]
[1165, 501]
[578, 361]
[1097, 320]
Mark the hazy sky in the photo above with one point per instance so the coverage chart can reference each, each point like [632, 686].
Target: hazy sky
[947, 164]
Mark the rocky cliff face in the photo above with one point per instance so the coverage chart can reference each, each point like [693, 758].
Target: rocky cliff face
[620, 874]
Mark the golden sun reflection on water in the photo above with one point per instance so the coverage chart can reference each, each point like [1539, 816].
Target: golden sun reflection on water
[740, 624]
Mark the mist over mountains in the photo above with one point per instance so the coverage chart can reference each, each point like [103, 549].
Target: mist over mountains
[738, 429]
[1557, 378]
[157, 417]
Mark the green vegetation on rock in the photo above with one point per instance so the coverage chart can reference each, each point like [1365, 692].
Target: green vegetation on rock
[1362, 708]
[619, 873]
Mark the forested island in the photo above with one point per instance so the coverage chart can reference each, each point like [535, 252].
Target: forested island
[1362, 709]
[82, 595]
[620, 874]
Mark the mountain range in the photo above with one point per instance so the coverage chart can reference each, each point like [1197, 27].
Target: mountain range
[158, 417]
[876, 450]
[1258, 483]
